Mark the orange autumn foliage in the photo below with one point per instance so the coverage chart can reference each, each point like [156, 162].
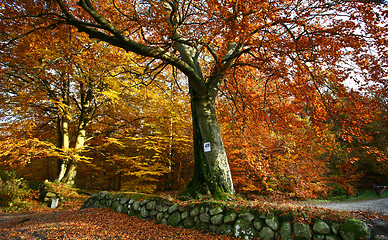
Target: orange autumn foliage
[291, 121]
[291, 139]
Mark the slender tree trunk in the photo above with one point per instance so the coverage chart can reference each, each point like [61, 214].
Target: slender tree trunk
[71, 164]
[170, 156]
[211, 169]
[65, 143]
[70, 171]
[68, 167]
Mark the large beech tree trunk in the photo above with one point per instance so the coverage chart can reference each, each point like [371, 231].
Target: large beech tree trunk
[211, 169]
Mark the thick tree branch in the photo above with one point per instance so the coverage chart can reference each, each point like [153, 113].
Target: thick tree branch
[215, 80]
[118, 39]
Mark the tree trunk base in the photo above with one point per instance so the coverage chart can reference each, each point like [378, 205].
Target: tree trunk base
[197, 190]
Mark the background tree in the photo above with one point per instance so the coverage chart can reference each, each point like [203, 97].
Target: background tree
[56, 88]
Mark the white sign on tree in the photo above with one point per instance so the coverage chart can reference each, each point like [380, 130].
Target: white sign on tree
[207, 147]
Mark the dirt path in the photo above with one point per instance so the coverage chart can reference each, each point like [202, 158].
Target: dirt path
[379, 206]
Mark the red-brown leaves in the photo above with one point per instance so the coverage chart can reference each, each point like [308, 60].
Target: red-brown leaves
[91, 224]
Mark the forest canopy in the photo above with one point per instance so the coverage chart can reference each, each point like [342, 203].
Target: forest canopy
[290, 96]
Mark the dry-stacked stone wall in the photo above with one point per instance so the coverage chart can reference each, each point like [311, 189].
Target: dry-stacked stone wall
[239, 222]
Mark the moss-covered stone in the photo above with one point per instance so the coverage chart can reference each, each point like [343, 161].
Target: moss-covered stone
[164, 221]
[321, 227]
[124, 200]
[204, 217]
[353, 229]
[213, 228]
[319, 237]
[244, 229]
[151, 205]
[286, 231]
[248, 216]
[302, 231]
[115, 204]
[131, 212]
[335, 226]
[159, 207]
[215, 211]
[159, 216]
[174, 219]
[201, 226]
[125, 208]
[258, 224]
[217, 219]
[173, 208]
[272, 222]
[103, 194]
[202, 210]
[136, 206]
[144, 202]
[144, 213]
[194, 212]
[267, 233]
[119, 208]
[188, 222]
[230, 217]
[332, 237]
[153, 213]
[225, 229]
[185, 215]
[165, 208]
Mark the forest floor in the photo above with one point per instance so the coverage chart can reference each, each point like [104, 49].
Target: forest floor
[91, 224]
[70, 222]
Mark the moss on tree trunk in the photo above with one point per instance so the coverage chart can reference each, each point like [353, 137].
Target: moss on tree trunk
[211, 169]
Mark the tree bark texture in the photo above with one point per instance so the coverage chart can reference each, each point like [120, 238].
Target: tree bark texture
[211, 168]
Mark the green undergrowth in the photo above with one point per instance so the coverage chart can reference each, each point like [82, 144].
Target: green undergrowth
[19, 195]
[12, 189]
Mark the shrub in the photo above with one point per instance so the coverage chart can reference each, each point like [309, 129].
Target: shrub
[12, 189]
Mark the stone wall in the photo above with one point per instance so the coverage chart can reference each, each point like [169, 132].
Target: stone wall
[239, 222]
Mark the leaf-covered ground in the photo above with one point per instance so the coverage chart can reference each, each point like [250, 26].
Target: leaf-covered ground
[90, 224]
[37, 221]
